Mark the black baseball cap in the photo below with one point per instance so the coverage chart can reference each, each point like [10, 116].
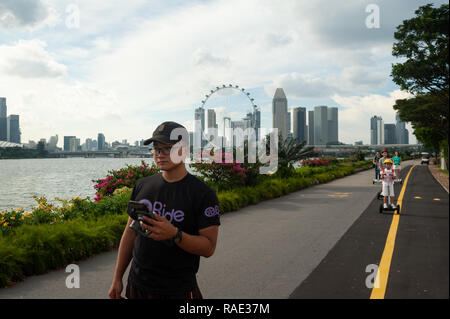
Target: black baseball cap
[163, 131]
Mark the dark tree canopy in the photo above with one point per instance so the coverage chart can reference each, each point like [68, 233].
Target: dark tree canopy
[422, 42]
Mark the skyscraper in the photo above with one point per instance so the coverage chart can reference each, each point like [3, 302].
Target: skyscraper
[299, 124]
[13, 129]
[256, 122]
[376, 130]
[400, 128]
[66, 146]
[3, 120]
[101, 142]
[288, 121]
[389, 134]
[200, 116]
[333, 128]
[212, 121]
[280, 112]
[310, 127]
[320, 125]
[380, 131]
[373, 130]
[52, 143]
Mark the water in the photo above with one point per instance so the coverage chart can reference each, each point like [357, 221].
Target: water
[20, 179]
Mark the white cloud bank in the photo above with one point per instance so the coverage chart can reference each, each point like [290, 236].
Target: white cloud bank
[160, 66]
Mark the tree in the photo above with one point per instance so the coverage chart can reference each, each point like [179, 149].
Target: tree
[429, 137]
[423, 41]
[41, 149]
[290, 151]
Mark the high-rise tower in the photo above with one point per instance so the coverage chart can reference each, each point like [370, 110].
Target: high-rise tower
[280, 112]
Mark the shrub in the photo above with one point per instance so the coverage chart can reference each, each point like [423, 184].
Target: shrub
[220, 170]
[125, 177]
[316, 162]
[38, 248]
[47, 213]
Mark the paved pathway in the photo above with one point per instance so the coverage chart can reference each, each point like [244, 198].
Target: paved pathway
[419, 267]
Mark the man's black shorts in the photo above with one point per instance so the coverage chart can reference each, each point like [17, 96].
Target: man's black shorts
[133, 292]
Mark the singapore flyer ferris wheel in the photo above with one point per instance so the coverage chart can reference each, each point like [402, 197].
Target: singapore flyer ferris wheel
[227, 87]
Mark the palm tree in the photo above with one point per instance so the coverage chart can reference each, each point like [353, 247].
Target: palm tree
[290, 151]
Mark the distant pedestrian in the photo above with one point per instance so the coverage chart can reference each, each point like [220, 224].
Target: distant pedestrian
[397, 160]
[375, 164]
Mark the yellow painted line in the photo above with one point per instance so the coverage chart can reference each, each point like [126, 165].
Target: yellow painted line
[379, 290]
[436, 199]
[416, 197]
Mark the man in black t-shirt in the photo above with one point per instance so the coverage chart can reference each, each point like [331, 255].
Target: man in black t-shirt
[187, 216]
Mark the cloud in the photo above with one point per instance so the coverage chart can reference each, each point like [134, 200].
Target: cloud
[26, 14]
[302, 86]
[202, 57]
[149, 62]
[29, 59]
[355, 113]
[346, 82]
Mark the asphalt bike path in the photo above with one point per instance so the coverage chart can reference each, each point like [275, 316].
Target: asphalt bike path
[412, 248]
[263, 251]
[420, 264]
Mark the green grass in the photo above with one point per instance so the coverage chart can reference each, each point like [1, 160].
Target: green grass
[442, 170]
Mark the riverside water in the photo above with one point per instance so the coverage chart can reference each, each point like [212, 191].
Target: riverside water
[20, 179]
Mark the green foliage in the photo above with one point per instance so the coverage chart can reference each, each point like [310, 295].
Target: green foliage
[220, 170]
[41, 149]
[32, 250]
[47, 213]
[125, 177]
[359, 155]
[423, 41]
[19, 152]
[275, 186]
[290, 151]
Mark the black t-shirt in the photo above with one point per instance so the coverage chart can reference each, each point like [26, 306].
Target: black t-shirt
[189, 204]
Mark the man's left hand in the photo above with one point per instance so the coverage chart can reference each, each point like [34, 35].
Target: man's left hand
[161, 228]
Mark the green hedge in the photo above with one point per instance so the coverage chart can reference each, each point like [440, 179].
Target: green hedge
[35, 249]
[276, 187]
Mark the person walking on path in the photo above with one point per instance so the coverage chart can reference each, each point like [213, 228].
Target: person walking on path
[187, 215]
[377, 168]
[397, 160]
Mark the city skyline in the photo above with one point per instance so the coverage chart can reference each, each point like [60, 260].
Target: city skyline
[76, 79]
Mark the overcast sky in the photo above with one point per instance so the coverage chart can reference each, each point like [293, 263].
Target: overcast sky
[121, 67]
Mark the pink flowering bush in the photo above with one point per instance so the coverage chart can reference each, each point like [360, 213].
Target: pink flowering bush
[125, 177]
[316, 162]
[220, 170]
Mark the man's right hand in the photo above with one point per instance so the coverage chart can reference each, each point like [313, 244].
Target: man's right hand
[116, 289]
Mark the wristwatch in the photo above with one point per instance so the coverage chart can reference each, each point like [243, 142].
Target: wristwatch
[178, 237]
